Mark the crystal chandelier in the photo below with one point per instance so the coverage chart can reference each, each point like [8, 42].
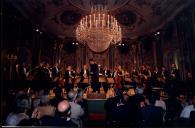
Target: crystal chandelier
[99, 29]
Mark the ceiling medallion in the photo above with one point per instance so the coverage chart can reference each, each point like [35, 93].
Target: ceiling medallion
[86, 4]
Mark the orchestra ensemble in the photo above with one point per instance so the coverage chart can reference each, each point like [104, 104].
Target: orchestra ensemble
[98, 77]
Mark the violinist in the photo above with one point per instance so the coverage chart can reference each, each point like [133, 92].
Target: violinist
[68, 77]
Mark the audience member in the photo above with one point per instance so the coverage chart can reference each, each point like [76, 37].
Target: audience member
[152, 115]
[173, 109]
[76, 110]
[62, 117]
[58, 96]
[19, 113]
[44, 109]
[187, 110]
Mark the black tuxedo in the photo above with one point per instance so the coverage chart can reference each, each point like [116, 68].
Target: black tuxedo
[66, 77]
[94, 77]
[21, 73]
[164, 74]
[55, 72]
[94, 70]
[82, 72]
[83, 85]
[107, 73]
[175, 72]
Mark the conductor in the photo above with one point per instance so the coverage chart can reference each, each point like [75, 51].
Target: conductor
[94, 76]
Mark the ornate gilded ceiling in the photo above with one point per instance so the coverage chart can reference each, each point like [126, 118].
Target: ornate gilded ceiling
[137, 17]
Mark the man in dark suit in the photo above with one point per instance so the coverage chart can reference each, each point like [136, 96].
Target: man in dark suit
[152, 115]
[106, 72]
[94, 76]
[84, 75]
[84, 72]
[68, 76]
[174, 73]
[39, 72]
[55, 71]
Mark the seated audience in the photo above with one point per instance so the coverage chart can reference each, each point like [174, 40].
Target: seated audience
[188, 109]
[121, 112]
[30, 122]
[44, 109]
[109, 106]
[159, 102]
[151, 115]
[81, 101]
[173, 109]
[183, 100]
[62, 117]
[20, 107]
[76, 110]
[58, 97]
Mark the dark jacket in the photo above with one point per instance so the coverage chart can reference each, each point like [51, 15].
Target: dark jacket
[56, 121]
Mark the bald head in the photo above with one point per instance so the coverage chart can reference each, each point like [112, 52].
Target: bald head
[63, 108]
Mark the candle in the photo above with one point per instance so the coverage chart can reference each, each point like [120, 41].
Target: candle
[108, 21]
[99, 20]
[111, 22]
[103, 20]
[83, 22]
[86, 22]
[94, 18]
[90, 20]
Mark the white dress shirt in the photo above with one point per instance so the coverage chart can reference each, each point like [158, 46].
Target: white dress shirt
[186, 111]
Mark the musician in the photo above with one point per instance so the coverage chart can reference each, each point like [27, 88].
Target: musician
[189, 76]
[84, 72]
[174, 73]
[127, 77]
[22, 71]
[144, 73]
[76, 72]
[114, 74]
[47, 71]
[119, 77]
[134, 73]
[94, 76]
[135, 77]
[164, 73]
[156, 80]
[120, 71]
[161, 76]
[55, 71]
[156, 72]
[107, 72]
[68, 76]
[126, 74]
[84, 75]
[39, 72]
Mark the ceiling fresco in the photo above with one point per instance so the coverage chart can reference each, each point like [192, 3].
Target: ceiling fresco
[136, 17]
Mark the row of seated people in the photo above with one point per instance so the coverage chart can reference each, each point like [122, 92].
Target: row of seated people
[140, 110]
[119, 77]
[122, 108]
[43, 111]
[138, 78]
